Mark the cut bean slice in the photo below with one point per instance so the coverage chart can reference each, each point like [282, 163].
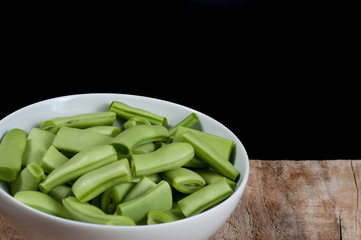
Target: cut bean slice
[78, 165]
[166, 158]
[130, 138]
[97, 181]
[184, 180]
[42, 202]
[86, 212]
[12, 148]
[79, 121]
[205, 198]
[125, 111]
[157, 198]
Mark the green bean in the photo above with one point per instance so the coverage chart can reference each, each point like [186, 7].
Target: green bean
[154, 178]
[83, 162]
[111, 198]
[110, 131]
[79, 121]
[12, 149]
[221, 145]
[37, 144]
[184, 180]
[120, 191]
[86, 212]
[145, 148]
[60, 192]
[42, 202]
[97, 181]
[127, 140]
[211, 176]
[157, 217]
[105, 201]
[125, 111]
[73, 140]
[205, 198]
[188, 122]
[158, 198]
[196, 162]
[52, 159]
[140, 188]
[134, 121]
[169, 157]
[207, 153]
[28, 179]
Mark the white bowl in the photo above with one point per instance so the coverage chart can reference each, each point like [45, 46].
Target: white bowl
[34, 224]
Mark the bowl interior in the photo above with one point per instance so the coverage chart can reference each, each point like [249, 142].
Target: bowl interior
[33, 115]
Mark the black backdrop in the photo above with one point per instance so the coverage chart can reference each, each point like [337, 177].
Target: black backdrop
[285, 82]
[273, 121]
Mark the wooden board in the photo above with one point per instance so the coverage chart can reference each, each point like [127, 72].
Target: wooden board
[289, 200]
[298, 200]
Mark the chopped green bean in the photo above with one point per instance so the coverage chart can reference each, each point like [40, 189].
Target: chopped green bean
[125, 111]
[140, 188]
[12, 148]
[169, 157]
[60, 192]
[196, 162]
[37, 144]
[221, 145]
[188, 122]
[207, 153]
[127, 140]
[106, 201]
[134, 121]
[83, 162]
[115, 195]
[52, 159]
[79, 121]
[211, 176]
[28, 179]
[120, 191]
[154, 178]
[145, 148]
[158, 198]
[42, 202]
[73, 140]
[184, 180]
[110, 131]
[205, 198]
[157, 217]
[86, 212]
[97, 181]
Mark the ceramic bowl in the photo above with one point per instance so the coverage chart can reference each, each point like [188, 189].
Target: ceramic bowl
[34, 224]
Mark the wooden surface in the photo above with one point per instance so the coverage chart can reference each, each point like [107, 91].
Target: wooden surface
[298, 200]
[290, 200]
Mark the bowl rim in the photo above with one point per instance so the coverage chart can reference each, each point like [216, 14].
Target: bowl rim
[237, 193]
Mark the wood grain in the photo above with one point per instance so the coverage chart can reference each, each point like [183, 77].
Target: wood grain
[298, 200]
[289, 200]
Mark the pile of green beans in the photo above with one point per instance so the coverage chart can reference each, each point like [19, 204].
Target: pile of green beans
[86, 168]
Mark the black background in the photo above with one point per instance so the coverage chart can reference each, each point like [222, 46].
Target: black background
[294, 120]
[285, 82]
[273, 3]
